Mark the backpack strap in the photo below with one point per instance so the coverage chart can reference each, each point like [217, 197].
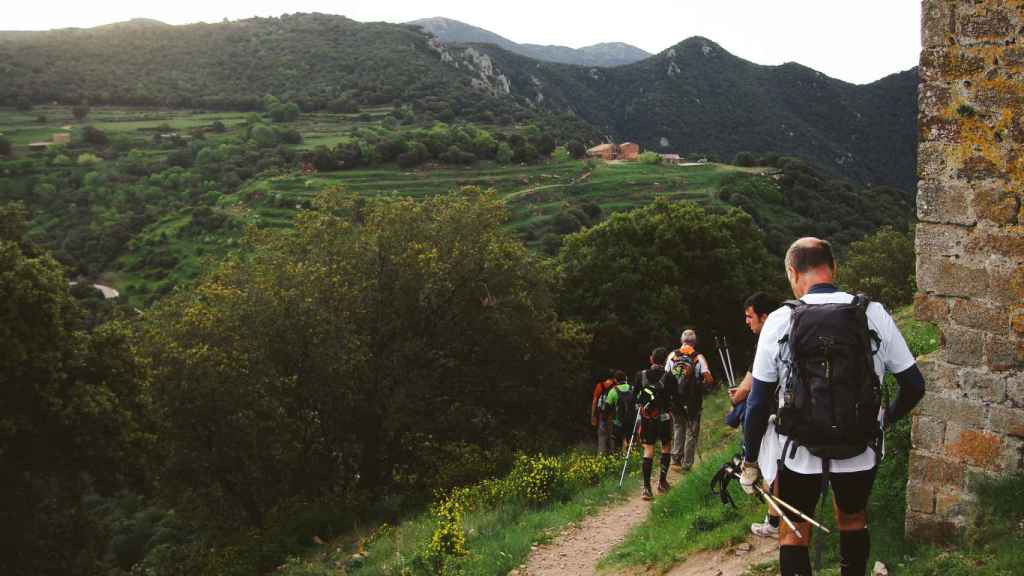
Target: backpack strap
[862, 301]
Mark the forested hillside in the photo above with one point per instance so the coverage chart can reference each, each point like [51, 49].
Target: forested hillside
[693, 98]
[697, 98]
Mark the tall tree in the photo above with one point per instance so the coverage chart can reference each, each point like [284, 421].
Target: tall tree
[638, 278]
[70, 408]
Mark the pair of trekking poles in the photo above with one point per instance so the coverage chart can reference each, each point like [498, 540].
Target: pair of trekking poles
[733, 470]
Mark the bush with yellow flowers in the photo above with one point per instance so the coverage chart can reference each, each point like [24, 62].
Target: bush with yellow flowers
[449, 538]
[584, 470]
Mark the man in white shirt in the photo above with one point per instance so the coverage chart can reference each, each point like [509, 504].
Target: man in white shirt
[810, 269]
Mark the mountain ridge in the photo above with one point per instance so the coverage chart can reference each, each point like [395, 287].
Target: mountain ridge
[694, 97]
[603, 54]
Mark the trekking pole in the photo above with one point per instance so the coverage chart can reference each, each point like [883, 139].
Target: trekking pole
[775, 502]
[636, 423]
[732, 376]
[725, 368]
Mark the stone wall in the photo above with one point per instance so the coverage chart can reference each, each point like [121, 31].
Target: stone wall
[970, 255]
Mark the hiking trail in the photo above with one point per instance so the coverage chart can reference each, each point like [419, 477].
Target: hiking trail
[579, 547]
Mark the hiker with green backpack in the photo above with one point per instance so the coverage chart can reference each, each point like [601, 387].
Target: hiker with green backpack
[827, 352]
[621, 405]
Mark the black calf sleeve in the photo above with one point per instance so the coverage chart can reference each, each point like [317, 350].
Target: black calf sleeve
[648, 464]
[795, 561]
[666, 460]
[854, 546]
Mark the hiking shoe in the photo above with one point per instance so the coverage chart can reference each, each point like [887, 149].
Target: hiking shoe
[664, 486]
[648, 495]
[764, 530]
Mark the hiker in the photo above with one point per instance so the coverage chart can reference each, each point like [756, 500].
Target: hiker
[623, 408]
[656, 390]
[830, 418]
[694, 378]
[755, 311]
[600, 416]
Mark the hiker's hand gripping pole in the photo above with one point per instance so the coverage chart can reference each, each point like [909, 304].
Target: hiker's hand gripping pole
[775, 502]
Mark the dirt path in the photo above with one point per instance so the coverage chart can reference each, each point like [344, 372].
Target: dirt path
[576, 551]
[578, 548]
[732, 561]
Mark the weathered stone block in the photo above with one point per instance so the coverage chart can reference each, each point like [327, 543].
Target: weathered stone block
[995, 204]
[964, 346]
[928, 433]
[939, 23]
[949, 502]
[940, 239]
[989, 25]
[945, 201]
[980, 316]
[978, 448]
[940, 377]
[1013, 56]
[1015, 389]
[930, 528]
[1007, 420]
[947, 277]
[979, 168]
[1012, 457]
[1007, 241]
[933, 161]
[983, 386]
[921, 498]
[933, 100]
[934, 308]
[1016, 319]
[1006, 284]
[936, 471]
[1001, 353]
[952, 410]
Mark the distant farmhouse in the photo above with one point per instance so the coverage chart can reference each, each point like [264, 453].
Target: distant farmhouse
[624, 151]
[629, 151]
[58, 138]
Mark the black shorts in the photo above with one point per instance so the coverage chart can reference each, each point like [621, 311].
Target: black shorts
[850, 490]
[653, 430]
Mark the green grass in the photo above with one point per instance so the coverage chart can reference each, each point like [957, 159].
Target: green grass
[498, 539]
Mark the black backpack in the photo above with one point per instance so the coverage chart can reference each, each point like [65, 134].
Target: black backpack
[832, 395]
[684, 369]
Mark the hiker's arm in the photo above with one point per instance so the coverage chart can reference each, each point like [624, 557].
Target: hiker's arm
[756, 421]
[911, 390]
[739, 394]
[593, 406]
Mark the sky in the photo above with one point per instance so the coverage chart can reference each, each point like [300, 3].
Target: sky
[857, 41]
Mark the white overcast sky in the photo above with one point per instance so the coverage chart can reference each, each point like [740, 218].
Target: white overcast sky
[854, 40]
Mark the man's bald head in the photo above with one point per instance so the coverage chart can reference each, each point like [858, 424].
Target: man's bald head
[809, 261]
[810, 253]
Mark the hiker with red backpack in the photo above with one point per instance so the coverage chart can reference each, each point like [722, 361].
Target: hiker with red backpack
[655, 395]
[601, 414]
[826, 352]
[694, 379]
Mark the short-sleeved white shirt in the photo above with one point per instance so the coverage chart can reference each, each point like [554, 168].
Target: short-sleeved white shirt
[893, 356]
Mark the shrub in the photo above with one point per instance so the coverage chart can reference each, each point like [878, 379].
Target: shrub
[561, 154]
[649, 157]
